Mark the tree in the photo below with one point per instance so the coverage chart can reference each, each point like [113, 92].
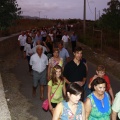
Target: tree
[111, 17]
[9, 12]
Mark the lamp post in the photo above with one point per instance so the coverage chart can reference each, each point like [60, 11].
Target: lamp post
[84, 19]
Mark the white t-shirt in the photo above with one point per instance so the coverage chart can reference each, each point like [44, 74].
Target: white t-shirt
[38, 63]
[22, 39]
[65, 38]
[116, 104]
[51, 35]
[28, 49]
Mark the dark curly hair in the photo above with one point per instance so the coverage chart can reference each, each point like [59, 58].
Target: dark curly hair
[96, 82]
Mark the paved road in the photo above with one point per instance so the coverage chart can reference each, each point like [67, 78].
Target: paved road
[22, 74]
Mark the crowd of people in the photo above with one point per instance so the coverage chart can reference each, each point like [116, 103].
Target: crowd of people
[46, 51]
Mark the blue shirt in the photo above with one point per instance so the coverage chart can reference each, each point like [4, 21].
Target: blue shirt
[64, 54]
[74, 38]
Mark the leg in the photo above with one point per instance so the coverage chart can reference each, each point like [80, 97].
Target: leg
[42, 92]
[42, 83]
[34, 91]
[35, 82]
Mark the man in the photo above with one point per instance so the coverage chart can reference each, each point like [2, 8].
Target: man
[75, 70]
[22, 40]
[116, 107]
[38, 37]
[44, 46]
[39, 64]
[73, 39]
[65, 39]
[63, 53]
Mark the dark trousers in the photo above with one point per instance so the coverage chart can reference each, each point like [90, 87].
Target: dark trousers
[73, 45]
[30, 67]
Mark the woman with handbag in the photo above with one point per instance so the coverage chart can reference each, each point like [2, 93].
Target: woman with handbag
[56, 88]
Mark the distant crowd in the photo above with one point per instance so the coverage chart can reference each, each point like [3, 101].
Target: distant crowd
[55, 59]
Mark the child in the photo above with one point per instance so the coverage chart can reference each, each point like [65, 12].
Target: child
[100, 72]
[56, 86]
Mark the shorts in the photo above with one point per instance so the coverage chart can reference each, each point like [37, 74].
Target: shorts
[39, 78]
[54, 105]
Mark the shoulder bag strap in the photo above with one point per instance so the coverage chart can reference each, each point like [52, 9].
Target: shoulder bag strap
[55, 90]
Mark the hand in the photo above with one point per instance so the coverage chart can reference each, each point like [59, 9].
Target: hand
[95, 76]
[81, 83]
[50, 107]
[44, 43]
[48, 78]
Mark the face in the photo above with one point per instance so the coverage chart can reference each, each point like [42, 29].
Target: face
[29, 40]
[74, 98]
[100, 88]
[78, 55]
[60, 46]
[39, 51]
[100, 73]
[58, 73]
[56, 54]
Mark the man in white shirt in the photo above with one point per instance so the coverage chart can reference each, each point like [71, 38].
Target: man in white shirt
[22, 40]
[65, 40]
[39, 64]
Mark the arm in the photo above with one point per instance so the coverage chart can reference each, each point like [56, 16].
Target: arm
[88, 108]
[111, 94]
[49, 71]
[81, 83]
[57, 112]
[66, 80]
[46, 47]
[49, 97]
[83, 112]
[89, 85]
[64, 89]
[114, 115]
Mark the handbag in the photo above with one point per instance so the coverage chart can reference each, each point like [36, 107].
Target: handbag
[45, 104]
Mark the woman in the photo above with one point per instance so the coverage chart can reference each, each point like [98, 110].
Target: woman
[28, 50]
[72, 108]
[55, 60]
[97, 104]
[49, 44]
[56, 86]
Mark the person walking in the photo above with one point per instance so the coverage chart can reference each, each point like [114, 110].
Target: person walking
[28, 50]
[56, 87]
[71, 108]
[75, 70]
[100, 72]
[97, 104]
[55, 60]
[39, 62]
[65, 39]
[73, 40]
[22, 41]
[116, 107]
[63, 53]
